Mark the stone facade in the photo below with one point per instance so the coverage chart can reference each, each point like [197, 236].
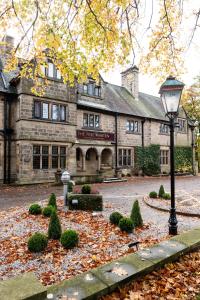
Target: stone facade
[101, 126]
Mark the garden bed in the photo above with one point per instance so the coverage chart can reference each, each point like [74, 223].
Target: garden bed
[99, 242]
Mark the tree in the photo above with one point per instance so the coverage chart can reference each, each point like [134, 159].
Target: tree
[84, 37]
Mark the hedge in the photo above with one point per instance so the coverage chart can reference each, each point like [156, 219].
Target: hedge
[92, 202]
[147, 159]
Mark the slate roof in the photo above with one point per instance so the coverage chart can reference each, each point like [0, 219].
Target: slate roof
[5, 79]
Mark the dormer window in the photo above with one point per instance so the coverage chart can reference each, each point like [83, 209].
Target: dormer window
[51, 71]
[91, 89]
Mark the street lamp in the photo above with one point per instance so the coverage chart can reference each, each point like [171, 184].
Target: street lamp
[65, 178]
[170, 92]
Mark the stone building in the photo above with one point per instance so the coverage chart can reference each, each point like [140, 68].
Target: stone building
[91, 129]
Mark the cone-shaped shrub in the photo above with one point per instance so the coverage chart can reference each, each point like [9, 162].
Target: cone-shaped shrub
[136, 214]
[52, 200]
[161, 191]
[54, 230]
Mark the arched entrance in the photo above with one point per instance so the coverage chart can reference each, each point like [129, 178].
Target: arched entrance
[91, 161]
[79, 159]
[106, 158]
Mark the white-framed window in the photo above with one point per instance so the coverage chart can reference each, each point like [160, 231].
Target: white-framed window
[164, 157]
[164, 128]
[132, 126]
[124, 157]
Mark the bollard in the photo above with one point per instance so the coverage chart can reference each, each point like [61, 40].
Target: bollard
[65, 178]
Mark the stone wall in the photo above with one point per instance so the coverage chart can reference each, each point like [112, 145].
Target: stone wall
[1, 137]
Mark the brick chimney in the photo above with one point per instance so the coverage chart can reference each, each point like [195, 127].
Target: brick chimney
[130, 80]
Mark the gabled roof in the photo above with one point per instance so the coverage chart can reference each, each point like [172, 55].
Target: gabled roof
[119, 99]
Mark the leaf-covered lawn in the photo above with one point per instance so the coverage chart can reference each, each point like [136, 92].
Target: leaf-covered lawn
[176, 281]
[99, 243]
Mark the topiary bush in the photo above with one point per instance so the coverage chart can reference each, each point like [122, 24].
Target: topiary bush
[54, 230]
[37, 242]
[47, 211]
[161, 191]
[52, 200]
[136, 214]
[153, 194]
[166, 196]
[35, 209]
[126, 224]
[69, 239]
[115, 217]
[86, 189]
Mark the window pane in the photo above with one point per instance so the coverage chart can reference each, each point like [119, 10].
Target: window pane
[45, 150]
[36, 150]
[136, 126]
[55, 150]
[37, 109]
[132, 126]
[128, 126]
[43, 70]
[55, 112]
[97, 91]
[58, 74]
[91, 124]
[54, 162]
[62, 113]
[63, 162]
[62, 150]
[45, 162]
[90, 88]
[50, 70]
[45, 110]
[85, 120]
[85, 88]
[96, 121]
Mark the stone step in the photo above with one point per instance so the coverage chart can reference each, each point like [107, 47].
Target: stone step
[114, 179]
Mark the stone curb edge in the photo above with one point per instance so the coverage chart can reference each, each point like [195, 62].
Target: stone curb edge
[105, 279]
[178, 212]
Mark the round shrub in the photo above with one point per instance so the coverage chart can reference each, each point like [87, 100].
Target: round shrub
[115, 217]
[126, 224]
[86, 189]
[161, 191]
[52, 200]
[37, 242]
[153, 194]
[35, 209]
[166, 196]
[69, 239]
[47, 211]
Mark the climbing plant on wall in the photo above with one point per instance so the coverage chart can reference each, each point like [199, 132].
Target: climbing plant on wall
[183, 159]
[147, 159]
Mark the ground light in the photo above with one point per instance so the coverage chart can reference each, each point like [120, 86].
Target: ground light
[170, 92]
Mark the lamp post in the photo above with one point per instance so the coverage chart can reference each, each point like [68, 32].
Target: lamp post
[170, 92]
[65, 178]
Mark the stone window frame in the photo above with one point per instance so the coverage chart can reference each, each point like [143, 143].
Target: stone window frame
[182, 125]
[164, 129]
[46, 159]
[131, 123]
[164, 157]
[87, 117]
[50, 111]
[124, 157]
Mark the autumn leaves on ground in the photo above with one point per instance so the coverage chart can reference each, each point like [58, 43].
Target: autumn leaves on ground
[180, 280]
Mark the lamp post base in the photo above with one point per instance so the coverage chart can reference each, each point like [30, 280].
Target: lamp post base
[173, 222]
